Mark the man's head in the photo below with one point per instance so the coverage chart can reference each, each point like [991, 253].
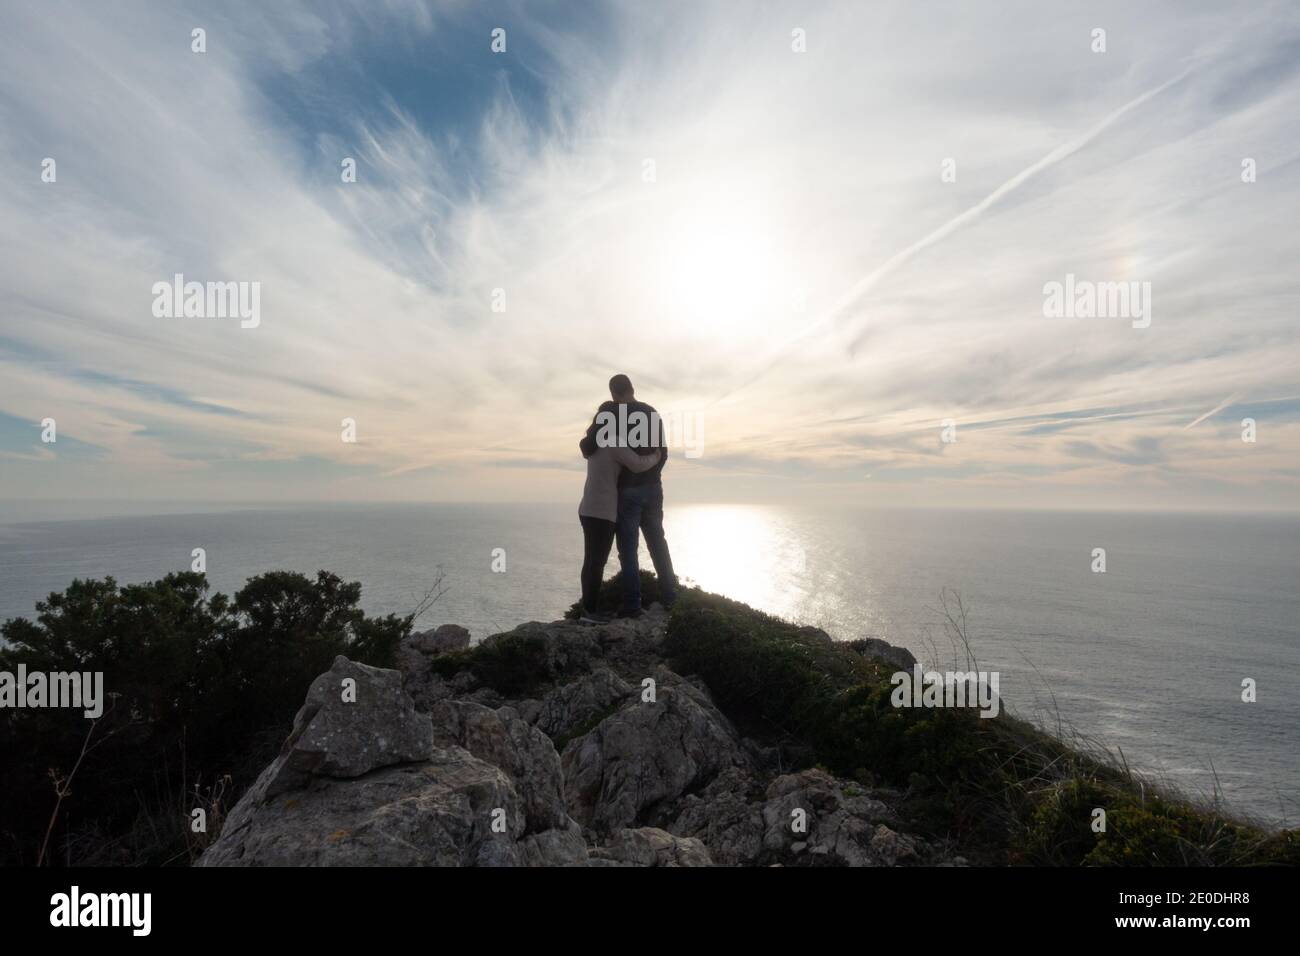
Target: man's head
[620, 388]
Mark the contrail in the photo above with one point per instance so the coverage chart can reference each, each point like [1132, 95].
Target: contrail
[864, 284]
[1215, 410]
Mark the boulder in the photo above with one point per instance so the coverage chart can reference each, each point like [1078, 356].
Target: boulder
[892, 654]
[563, 846]
[727, 817]
[356, 719]
[436, 813]
[646, 754]
[842, 825]
[521, 751]
[572, 706]
[440, 640]
[364, 783]
[892, 848]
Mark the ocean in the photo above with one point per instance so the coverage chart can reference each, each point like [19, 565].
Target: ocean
[1148, 656]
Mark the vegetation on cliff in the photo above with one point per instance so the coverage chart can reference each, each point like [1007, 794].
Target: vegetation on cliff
[1003, 790]
[206, 688]
[202, 691]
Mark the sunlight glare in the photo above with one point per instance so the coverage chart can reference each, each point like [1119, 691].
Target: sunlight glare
[742, 551]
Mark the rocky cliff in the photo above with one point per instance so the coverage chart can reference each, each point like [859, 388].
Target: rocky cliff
[604, 757]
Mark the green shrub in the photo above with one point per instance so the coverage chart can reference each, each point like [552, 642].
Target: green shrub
[1143, 828]
[513, 664]
[1002, 789]
[518, 663]
[796, 681]
[206, 690]
[610, 597]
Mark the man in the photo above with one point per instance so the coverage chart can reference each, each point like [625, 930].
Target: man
[641, 502]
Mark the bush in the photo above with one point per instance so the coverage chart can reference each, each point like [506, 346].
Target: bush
[610, 598]
[513, 664]
[204, 690]
[1144, 829]
[796, 681]
[1001, 789]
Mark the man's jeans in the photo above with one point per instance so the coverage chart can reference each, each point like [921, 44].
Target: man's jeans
[641, 509]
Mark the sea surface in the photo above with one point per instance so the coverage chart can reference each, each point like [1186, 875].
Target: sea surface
[1148, 657]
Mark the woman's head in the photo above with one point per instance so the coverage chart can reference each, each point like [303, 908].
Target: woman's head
[588, 443]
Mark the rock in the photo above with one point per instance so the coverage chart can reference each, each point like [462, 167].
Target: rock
[437, 813]
[893, 848]
[649, 846]
[575, 704]
[426, 690]
[807, 630]
[647, 753]
[441, 640]
[528, 709]
[522, 752]
[487, 697]
[413, 659]
[726, 816]
[462, 683]
[558, 847]
[417, 770]
[899, 657]
[842, 828]
[334, 737]
[333, 797]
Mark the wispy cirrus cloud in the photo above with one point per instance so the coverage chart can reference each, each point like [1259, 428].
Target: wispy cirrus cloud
[797, 268]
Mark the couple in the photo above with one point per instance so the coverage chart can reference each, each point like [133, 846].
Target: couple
[625, 451]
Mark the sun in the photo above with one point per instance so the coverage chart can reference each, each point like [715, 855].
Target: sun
[722, 270]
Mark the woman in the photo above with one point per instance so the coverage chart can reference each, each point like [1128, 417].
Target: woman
[598, 511]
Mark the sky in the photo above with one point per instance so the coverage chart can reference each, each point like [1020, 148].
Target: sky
[821, 233]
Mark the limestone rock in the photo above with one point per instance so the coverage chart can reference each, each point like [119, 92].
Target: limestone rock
[727, 817]
[559, 847]
[420, 767]
[356, 718]
[569, 707]
[841, 827]
[522, 752]
[440, 640]
[437, 813]
[647, 753]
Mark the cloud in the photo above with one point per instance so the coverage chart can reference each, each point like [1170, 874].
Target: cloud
[795, 270]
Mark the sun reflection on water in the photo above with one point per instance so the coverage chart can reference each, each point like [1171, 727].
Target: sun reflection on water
[747, 552]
